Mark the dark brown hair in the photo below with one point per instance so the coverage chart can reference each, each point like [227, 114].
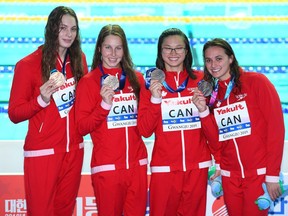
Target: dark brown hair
[51, 44]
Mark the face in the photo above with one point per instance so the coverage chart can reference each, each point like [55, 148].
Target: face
[67, 32]
[112, 51]
[218, 62]
[173, 53]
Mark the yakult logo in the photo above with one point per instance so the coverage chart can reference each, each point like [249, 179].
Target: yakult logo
[230, 109]
[67, 85]
[178, 102]
[124, 98]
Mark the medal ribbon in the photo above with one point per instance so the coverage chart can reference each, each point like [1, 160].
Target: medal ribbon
[122, 78]
[215, 92]
[63, 65]
[179, 89]
[148, 77]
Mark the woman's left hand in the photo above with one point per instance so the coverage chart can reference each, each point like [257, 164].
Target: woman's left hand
[199, 100]
[274, 190]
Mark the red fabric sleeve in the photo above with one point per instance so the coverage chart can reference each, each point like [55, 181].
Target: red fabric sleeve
[271, 109]
[148, 113]
[24, 91]
[89, 113]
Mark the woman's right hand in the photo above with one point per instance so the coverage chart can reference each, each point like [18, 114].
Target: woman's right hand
[156, 89]
[107, 94]
[47, 89]
[199, 100]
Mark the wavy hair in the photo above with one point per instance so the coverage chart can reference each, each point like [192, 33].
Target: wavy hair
[126, 62]
[188, 58]
[51, 44]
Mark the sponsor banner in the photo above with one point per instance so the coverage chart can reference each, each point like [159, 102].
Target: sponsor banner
[13, 203]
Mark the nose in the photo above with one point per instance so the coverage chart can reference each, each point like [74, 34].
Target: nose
[173, 49]
[213, 63]
[69, 32]
[113, 52]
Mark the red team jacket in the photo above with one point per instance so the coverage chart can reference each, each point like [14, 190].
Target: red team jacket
[113, 148]
[261, 151]
[46, 129]
[181, 149]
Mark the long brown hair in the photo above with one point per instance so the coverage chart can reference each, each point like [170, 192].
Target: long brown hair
[126, 62]
[51, 44]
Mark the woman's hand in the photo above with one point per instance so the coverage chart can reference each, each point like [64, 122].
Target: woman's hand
[199, 100]
[156, 89]
[274, 190]
[47, 89]
[107, 94]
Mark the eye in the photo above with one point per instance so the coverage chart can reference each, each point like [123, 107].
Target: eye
[167, 50]
[62, 28]
[74, 29]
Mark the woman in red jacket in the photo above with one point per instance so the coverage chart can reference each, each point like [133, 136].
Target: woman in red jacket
[107, 110]
[180, 157]
[248, 122]
[43, 92]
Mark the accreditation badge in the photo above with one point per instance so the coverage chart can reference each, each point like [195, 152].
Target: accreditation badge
[179, 114]
[123, 112]
[233, 121]
[64, 97]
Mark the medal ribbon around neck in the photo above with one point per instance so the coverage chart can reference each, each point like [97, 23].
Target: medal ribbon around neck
[122, 78]
[63, 65]
[148, 77]
[215, 92]
[179, 89]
